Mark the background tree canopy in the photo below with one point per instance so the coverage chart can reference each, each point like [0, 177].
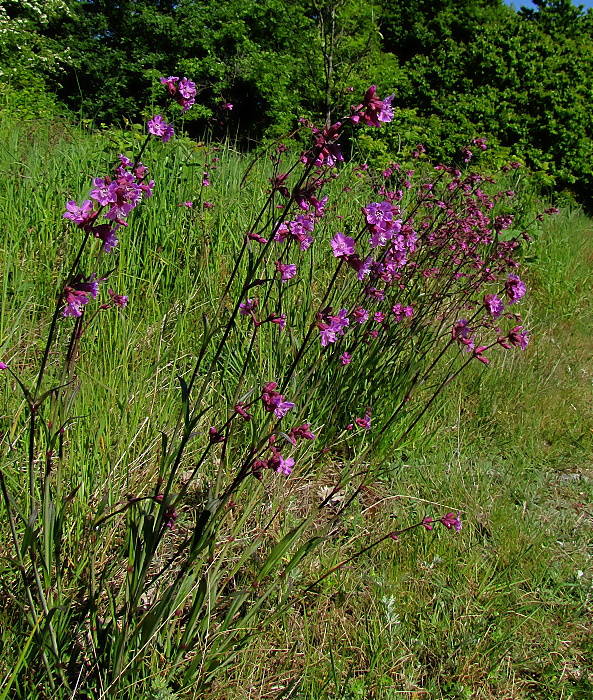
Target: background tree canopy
[459, 68]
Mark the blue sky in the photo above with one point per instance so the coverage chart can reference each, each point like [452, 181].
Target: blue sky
[527, 3]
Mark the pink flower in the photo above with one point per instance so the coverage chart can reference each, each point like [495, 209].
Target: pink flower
[360, 315]
[302, 431]
[494, 305]
[462, 333]
[103, 192]
[285, 465]
[327, 149]
[273, 400]
[331, 327]
[118, 299]
[81, 215]
[170, 84]
[240, 410]
[478, 354]
[342, 245]
[452, 520]
[157, 126]
[280, 321]
[467, 154]
[256, 237]
[517, 337]
[400, 311]
[346, 358]
[183, 91]
[169, 518]
[78, 295]
[187, 94]
[373, 111]
[106, 234]
[515, 288]
[3, 365]
[326, 334]
[287, 272]
[215, 436]
[364, 422]
[247, 307]
[428, 523]
[379, 213]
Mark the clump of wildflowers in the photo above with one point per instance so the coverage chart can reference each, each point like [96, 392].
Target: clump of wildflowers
[113, 198]
[425, 277]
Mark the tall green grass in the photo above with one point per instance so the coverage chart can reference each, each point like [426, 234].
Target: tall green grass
[481, 615]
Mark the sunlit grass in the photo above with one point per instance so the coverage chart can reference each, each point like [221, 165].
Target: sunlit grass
[476, 615]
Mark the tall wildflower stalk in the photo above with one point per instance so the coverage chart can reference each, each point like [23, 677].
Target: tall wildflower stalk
[326, 343]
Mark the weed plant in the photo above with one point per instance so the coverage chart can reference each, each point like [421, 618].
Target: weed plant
[180, 451]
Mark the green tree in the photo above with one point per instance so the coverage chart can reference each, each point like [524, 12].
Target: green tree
[28, 56]
[523, 79]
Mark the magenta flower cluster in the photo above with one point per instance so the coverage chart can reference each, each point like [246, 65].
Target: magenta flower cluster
[276, 461]
[274, 402]
[299, 230]
[372, 111]
[113, 198]
[111, 201]
[182, 90]
[79, 294]
[326, 150]
[452, 521]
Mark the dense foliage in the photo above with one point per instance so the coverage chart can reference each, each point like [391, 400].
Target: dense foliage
[460, 69]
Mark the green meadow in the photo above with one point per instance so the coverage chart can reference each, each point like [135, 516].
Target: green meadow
[501, 609]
